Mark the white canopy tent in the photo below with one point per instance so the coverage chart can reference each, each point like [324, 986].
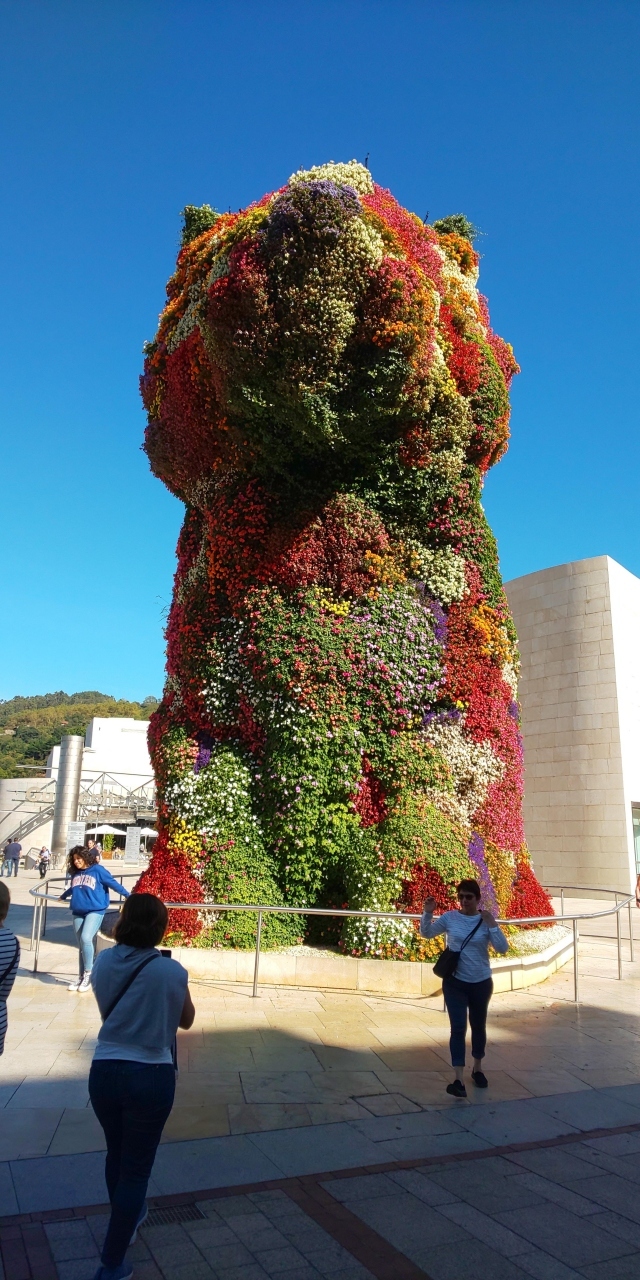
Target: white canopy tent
[104, 830]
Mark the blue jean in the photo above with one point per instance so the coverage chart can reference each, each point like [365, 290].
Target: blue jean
[460, 997]
[132, 1101]
[86, 928]
[9, 865]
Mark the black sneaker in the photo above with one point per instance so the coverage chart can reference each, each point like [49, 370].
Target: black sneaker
[457, 1089]
[479, 1079]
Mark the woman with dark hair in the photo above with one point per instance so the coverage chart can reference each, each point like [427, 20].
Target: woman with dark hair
[143, 998]
[469, 988]
[89, 893]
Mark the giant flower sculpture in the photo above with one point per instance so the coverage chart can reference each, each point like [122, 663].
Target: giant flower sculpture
[339, 723]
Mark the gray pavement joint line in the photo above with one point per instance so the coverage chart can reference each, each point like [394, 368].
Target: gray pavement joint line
[333, 1175]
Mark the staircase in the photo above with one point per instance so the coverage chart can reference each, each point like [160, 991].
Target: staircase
[101, 799]
[30, 824]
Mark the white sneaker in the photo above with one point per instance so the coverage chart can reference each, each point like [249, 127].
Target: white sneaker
[75, 986]
[85, 985]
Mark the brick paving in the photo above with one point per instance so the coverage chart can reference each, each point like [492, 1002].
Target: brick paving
[566, 1209]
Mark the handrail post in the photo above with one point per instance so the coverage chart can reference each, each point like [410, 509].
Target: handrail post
[619, 936]
[256, 966]
[562, 901]
[35, 962]
[630, 931]
[33, 921]
[576, 979]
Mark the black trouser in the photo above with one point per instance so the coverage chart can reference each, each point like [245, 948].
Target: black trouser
[132, 1101]
[460, 997]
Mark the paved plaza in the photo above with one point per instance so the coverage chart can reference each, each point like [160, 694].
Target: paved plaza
[312, 1136]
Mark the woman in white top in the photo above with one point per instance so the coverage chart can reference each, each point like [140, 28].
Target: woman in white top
[143, 998]
[471, 987]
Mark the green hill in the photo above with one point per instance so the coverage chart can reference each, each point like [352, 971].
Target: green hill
[30, 727]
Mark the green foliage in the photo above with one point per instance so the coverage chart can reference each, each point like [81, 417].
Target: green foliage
[217, 801]
[30, 727]
[197, 218]
[459, 224]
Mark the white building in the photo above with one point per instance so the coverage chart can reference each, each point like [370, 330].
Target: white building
[579, 634]
[115, 760]
[116, 746]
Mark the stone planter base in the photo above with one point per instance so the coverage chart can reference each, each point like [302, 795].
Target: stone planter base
[348, 973]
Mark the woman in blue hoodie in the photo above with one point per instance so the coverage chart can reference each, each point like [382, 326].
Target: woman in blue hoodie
[89, 893]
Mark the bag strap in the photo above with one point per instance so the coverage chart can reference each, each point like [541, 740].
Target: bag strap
[132, 977]
[11, 963]
[470, 935]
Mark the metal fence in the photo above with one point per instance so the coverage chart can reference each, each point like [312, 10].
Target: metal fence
[42, 896]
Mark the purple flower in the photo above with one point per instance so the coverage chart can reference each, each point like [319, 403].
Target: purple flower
[205, 747]
[477, 857]
[450, 715]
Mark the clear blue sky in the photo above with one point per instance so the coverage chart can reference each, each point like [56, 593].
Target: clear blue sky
[117, 113]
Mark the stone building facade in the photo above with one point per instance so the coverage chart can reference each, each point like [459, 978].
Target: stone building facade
[579, 632]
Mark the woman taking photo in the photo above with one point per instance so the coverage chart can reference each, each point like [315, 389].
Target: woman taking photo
[143, 998]
[469, 988]
[89, 893]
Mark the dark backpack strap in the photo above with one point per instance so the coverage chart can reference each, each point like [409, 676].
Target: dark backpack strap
[11, 963]
[132, 977]
[470, 935]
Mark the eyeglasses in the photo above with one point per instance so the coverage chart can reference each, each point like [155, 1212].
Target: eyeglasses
[467, 897]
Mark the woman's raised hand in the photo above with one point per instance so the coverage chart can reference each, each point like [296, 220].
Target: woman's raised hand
[429, 906]
[489, 920]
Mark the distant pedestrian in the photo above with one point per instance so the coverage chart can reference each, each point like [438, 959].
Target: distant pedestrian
[469, 988]
[95, 848]
[133, 1075]
[89, 893]
[9, 961]
[44, 858]
[12, 852]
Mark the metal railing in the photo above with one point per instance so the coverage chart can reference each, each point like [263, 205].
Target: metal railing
[622, 900]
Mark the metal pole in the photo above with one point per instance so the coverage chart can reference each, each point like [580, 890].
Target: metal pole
[35, 962]
[257, 963]
[44, 922]
[630, 931]
[33, 921]
[562, 902]
[619, 933]
[67, 790]
[576, 980]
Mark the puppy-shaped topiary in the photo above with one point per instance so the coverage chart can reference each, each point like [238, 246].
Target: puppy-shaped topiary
[339, 723]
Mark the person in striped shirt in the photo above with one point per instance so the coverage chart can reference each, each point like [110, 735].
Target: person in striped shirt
[9, 960]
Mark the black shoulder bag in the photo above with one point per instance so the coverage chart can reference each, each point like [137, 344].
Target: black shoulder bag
[447, 962]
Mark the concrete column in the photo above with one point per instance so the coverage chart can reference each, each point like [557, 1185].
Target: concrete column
[67, 790]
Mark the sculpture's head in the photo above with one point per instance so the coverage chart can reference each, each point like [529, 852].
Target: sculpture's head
[314, 331]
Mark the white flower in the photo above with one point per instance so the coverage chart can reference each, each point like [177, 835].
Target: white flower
[350, 174]
[442, 570]
[473, 765]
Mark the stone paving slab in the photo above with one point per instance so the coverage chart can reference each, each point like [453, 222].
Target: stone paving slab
[296, 1058]
[50, 1182]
